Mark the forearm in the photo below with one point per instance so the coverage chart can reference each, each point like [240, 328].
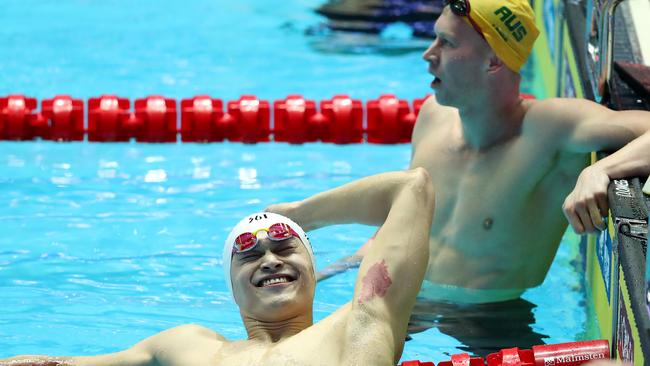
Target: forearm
[631, 160]
[30, 360]
[132, 357]
[365, 201]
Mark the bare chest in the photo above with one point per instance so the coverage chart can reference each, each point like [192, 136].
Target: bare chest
[266, 358]
[323, 344]
[480, 191]
[495, 208]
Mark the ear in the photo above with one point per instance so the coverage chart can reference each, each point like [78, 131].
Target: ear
[495, 64]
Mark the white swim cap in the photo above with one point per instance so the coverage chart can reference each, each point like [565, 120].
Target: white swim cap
[252, 223]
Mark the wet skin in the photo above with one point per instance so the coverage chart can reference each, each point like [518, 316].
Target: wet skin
[273, 285]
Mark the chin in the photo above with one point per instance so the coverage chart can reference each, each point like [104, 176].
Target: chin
[442, 99]
[276, 298]
[446, 100]
[280, 309]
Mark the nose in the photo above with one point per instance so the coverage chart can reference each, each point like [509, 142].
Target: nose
[271, 263]
[431, 53]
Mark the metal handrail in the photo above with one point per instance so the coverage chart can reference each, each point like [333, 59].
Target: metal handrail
[599, 37]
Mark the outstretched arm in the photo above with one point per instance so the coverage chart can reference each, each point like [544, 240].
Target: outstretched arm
[171, 346]
[131, 357]
[135, 356]
[365, 201]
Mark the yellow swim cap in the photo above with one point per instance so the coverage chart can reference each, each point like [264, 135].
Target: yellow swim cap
[508, 27]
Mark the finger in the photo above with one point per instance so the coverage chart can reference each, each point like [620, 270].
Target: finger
[603, 203]
[596, 217]
[574, 220]
[274, 208]
[583, 214]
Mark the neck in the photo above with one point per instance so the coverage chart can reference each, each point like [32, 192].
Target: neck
[275, 331]
[492, 118]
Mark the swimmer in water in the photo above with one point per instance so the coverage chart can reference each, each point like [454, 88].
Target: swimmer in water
[270, 269]
[504, 168]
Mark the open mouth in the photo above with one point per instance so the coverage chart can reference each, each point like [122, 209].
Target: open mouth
[436, 81]
[277, 280]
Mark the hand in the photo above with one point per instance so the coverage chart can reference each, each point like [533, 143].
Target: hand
[287, 209]
[587, 204]
[291, 210]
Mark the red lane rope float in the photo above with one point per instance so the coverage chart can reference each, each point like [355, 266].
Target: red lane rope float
[293, 120]
[561, 354]
[17, 117]
[463, 359]
[417, 363]
[155, 119]
[64, 116]
[339, 120]
[202, 120]
[342, 120]
[108, 119]
[251, 120]
[390, 120]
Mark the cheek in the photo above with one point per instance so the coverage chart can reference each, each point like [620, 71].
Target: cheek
[461, 68]
[241, 288]
[240, 276]
[307, 268]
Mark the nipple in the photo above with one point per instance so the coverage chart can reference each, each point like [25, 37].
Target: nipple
[487, 223]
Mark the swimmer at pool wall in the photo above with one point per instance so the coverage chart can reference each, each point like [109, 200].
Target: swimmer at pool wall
[270, 269]
[503, 166]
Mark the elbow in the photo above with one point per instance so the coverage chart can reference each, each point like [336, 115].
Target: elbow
[421, 178]
[422, 185]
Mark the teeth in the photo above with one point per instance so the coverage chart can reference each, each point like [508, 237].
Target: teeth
[272, 281]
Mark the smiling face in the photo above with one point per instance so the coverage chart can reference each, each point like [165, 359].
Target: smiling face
[458, 59]
[274, 280]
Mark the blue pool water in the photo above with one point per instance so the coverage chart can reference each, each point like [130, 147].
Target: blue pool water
[105, 244]
[182, 48]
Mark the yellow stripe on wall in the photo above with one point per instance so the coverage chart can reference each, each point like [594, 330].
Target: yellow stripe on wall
[544, 62]
[597, 295]
[625, 298]
[569, 57]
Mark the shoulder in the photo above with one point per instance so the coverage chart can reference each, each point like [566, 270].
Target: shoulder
[169, 347]
[184, 344]
[432, 110]
[181, 337]
[564, 112]
[570, 122]
[546, 117]
[541, 110]
[431, 115]
[188, 330]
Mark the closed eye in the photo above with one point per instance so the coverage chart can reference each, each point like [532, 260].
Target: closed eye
[285, 250]
[444, 42]
[248, 257]
[443, 39]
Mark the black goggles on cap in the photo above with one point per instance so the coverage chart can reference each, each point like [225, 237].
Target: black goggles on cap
[462, 8]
